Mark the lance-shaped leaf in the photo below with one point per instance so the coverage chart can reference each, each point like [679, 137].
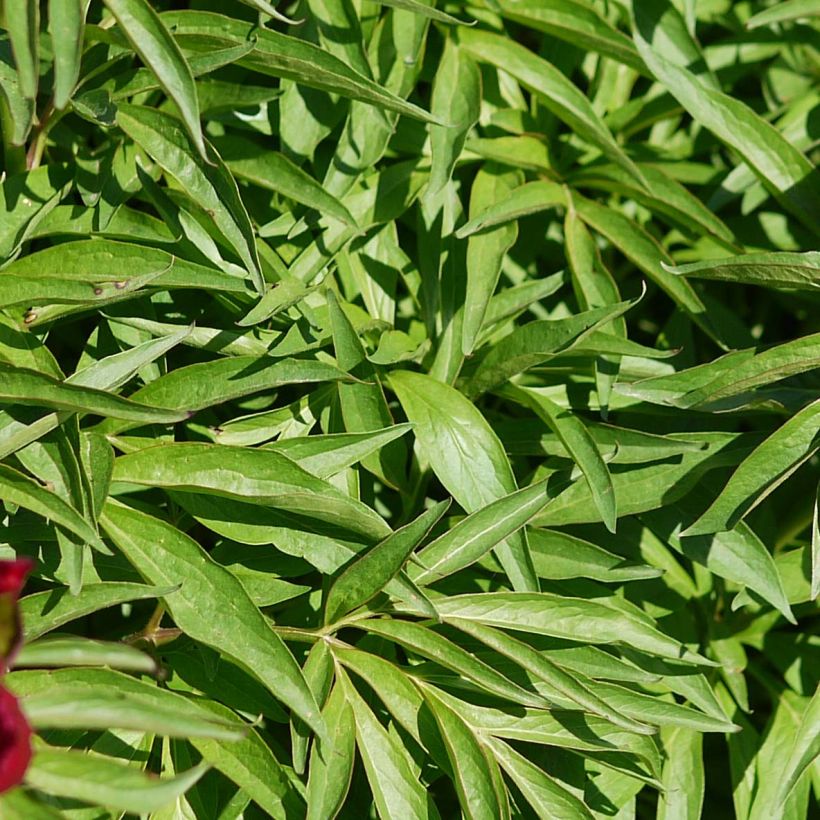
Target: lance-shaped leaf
[781, 166]
[474, 536]
[18, 488]
[257, 476]
[331, 763]
[44, 611]
[580, 445]
[374, 569]
[728, 381]
[100, 780]
[164, 555]
[525, 200]
[101, 261]
[22, 22]
[768, 466]
[783, 12]
[27, 387]
[221, 380]
[577, 23]
[537, 342]
[798, 271]
[541, 667]
[67, 650]
[647, 254]
[159, 51]
[572, 619]
[544, 793]
[208, 184]
[474, 770]
[397, 792]
[66, 21]
[466, 456]
[430, 644]
[249, 161]
[104, 699]
[363, 404]
[325, 456]
[554, 90]
[456, 101]
[282, 56]
[485, 252]
[251, 764]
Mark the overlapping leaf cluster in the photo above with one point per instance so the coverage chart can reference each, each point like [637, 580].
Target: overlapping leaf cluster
[413, 411]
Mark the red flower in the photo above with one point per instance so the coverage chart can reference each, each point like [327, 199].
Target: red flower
[15, 733]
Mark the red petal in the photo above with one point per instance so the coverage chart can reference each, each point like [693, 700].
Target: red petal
[15, 741]
[13, 574]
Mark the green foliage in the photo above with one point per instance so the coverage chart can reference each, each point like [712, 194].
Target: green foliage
[412, 410]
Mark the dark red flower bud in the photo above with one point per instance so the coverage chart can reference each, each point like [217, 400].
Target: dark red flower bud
[12, 577]
[15, 741]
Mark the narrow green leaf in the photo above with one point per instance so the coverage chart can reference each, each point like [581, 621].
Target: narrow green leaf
[554, 90]
[23, 25]
[397, 792]
[257, 476]
[430, 644]
[804, 751]
[545, 794]
[423, 10]
[100, 780]
[537, 342]
[66, 21]
[331, 763]
[485, 252]
[325, 456]
[470, 762]
[573, 619]
[17, 488]
[44, 611]
[512, 204]
[27, 387]
[558, 556]
[577, 23]
[374, 569]
[683, 775]
[105, 700]
[208, 183]
[729, 381]
[466, 457]
[474, 536]
[217, 381]
[539, 664]
[783, 12]
[159, 51]
[250, 763]
[65, 650]
[456, 100]
[275, 172]
[581, 447]
[780, 165]
[594, 287]
[646, 253]
[282, 56]
[363, 404]
[798, 271]
[164, 555]
[765, 469]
